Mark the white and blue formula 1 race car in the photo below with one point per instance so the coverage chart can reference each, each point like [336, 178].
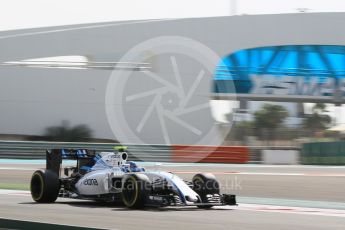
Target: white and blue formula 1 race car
[108, 176]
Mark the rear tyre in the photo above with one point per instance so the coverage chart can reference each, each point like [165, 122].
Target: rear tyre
[205, 184]
[135, 189]
[44, 186]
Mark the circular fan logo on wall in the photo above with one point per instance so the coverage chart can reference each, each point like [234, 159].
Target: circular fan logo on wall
[166, 100]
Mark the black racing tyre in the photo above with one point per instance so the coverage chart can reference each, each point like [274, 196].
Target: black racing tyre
[44, 186]
[204, 184]
[135, 189]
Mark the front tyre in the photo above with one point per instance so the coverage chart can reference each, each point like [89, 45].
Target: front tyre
[135, 189]
[205, 184]
[44, 186]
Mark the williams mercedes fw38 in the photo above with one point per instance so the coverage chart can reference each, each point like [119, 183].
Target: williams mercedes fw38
[109, 177]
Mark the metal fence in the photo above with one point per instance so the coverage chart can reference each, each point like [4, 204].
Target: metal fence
[36, 150]
[150, 153]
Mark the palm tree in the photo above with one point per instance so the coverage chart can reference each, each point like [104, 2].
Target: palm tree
[317, 121]
[68, 133]
[268, 119]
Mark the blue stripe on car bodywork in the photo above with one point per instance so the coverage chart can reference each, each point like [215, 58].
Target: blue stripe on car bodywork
[183, 199]
[63, 153]
[180, 193]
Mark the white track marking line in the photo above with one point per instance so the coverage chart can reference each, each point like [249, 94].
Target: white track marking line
[14, 192]
[17, 168]
[271, 174]
[267, 174]
[219, 165]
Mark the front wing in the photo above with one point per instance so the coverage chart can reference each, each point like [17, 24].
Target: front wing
[174, 200]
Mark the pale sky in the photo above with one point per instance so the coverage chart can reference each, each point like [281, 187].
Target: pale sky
[18, 14]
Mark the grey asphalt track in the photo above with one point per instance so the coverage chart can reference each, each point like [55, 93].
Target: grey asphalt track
[308, 183]
[288, 182]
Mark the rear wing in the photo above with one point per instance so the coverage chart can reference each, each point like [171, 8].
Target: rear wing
[54, 158]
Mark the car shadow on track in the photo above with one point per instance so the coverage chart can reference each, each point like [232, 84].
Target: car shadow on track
[81, 203]
[121, 207]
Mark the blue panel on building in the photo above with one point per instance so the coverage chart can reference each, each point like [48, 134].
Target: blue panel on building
[311, 69]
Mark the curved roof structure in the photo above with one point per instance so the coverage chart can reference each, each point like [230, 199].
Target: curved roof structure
[46, 96]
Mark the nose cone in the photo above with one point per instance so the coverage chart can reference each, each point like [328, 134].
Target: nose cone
[191, 198]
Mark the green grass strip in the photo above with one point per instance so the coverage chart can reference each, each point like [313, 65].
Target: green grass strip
[15, 186]
[29, 225]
